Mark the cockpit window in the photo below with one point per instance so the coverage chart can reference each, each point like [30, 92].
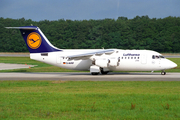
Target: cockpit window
[161, 56]
[157, 57]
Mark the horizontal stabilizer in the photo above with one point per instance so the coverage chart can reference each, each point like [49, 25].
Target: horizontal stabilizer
[23, 28]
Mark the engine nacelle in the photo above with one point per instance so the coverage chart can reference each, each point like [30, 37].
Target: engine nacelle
[102, 63]
[114, 62]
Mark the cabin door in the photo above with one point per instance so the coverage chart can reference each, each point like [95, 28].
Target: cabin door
[59, 59]
[144, 59]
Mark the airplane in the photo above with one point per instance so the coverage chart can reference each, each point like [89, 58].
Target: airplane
[94, 60]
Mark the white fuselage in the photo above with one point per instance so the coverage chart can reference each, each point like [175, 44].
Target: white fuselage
[120, 60]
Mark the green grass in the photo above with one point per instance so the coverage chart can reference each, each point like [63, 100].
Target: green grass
[43, 67]
[89, 100]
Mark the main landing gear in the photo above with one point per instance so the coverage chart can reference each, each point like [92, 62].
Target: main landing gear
[95, 70]
[94, 73]
[163, 73]
[104, 72]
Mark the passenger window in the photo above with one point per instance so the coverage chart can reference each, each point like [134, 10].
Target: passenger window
[153, 57]
[122, 58]
[125, 57]
[134, 57]
[138, 58]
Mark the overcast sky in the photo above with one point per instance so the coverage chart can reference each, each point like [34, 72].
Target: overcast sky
[87, 9]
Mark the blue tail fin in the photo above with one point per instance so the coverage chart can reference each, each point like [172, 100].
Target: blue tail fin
[35, 40]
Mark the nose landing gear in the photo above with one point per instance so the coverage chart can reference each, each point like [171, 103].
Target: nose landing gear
[163, 73]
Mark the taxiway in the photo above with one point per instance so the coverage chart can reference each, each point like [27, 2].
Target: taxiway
[7, 66]
[85, 76]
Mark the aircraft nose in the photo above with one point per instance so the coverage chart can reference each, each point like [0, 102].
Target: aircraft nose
[168, 64]
[171, 64]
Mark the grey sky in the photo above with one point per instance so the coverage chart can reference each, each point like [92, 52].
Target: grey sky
[87, 9]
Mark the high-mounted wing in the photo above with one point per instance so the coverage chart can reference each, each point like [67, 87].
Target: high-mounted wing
[85, 55]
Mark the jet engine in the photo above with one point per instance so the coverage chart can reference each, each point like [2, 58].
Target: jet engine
[102, 63]
[114, 62]
[107, 62]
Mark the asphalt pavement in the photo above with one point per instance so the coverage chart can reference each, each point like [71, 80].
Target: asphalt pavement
[86, 76]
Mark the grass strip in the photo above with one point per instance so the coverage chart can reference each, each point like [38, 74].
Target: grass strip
[89, 100]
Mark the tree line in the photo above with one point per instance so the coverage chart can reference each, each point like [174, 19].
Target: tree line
[162, 35]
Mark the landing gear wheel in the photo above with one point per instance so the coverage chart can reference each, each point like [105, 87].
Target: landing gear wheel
[94, 73]
[163, 73]
[104, 73]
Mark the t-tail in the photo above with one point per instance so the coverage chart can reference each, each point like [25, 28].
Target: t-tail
[35, 40]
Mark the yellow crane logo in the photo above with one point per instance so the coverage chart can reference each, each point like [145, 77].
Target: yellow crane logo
[34, 40]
